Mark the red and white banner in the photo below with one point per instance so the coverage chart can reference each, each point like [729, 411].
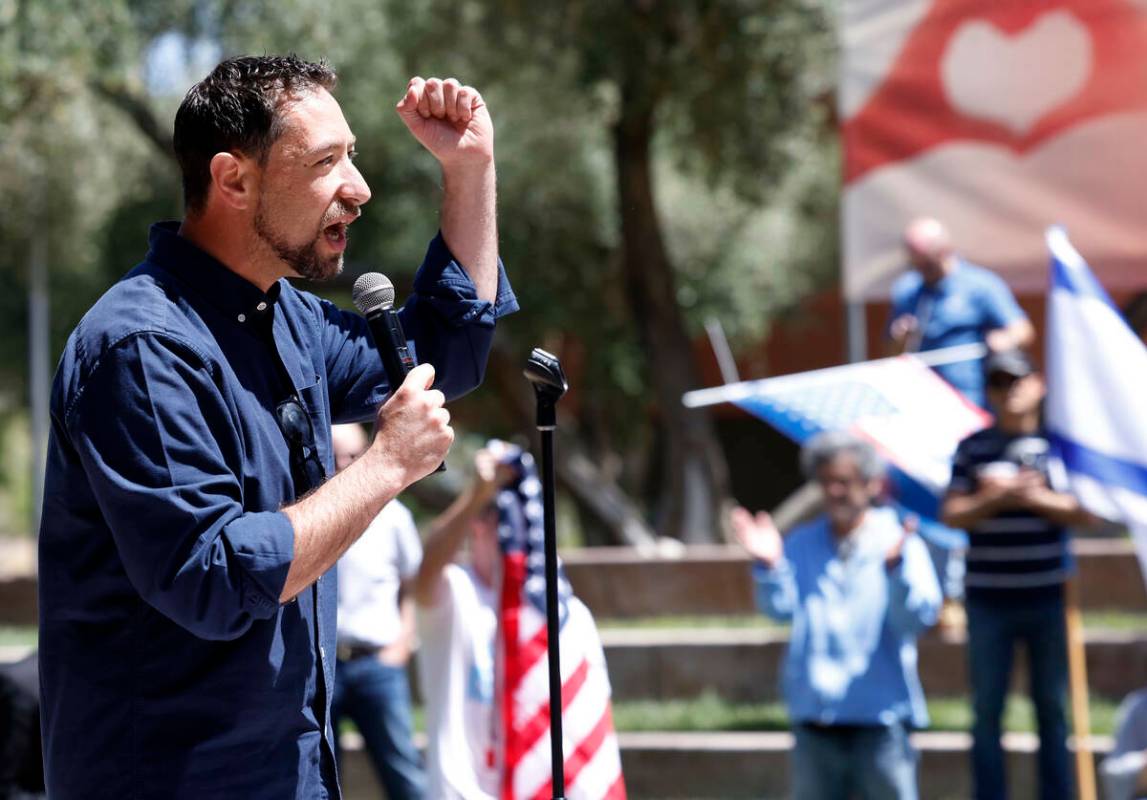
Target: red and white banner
[998, 117]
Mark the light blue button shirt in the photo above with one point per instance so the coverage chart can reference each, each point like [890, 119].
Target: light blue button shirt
[960, 309]
[852, 655]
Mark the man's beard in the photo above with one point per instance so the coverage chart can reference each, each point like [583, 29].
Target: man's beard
[303, 259]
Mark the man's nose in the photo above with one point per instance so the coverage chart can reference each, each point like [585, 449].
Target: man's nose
[354, 188]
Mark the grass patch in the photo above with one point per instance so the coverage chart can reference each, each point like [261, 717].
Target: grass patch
[739, 621]
[706, 713]
[19, 635]
[712, 713]
[1097, 620]
[955, 714]
[1115, 620]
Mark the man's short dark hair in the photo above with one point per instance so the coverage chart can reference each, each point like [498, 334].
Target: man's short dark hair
[236, 109]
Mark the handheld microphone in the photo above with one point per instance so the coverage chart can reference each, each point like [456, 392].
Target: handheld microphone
[373, 296]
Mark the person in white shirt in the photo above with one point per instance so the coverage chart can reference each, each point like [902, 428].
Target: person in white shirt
[375, 636]
[457, 626]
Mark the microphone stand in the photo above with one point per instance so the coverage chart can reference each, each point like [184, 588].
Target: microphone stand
[544, 372]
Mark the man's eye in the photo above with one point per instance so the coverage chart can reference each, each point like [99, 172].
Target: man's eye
[352, 155]
[326, 162]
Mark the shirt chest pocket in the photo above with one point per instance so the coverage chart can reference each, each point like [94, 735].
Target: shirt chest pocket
[315, 401]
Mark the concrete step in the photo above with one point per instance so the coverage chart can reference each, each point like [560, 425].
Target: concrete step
[734, 764]
[714, 579]
[755, 765]
[744, 665]
[744, 765]
[619, 582]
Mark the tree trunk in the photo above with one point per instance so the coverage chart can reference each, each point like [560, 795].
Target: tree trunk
[694, 478]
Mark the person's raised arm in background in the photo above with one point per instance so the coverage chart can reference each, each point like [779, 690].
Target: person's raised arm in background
[448, 531]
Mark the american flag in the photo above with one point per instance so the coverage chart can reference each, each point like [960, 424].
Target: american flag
[901, 406]
[592, 758]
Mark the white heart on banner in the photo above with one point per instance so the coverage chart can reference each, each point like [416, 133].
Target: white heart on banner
[1016, 81]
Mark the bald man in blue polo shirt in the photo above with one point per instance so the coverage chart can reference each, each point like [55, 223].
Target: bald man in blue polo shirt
[944, 301]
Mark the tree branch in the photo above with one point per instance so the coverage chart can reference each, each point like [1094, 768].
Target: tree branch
[138, 110]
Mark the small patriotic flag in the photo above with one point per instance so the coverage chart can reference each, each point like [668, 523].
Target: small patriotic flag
[592, 758]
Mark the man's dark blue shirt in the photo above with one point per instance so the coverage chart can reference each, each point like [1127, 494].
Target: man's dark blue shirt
[169, 668]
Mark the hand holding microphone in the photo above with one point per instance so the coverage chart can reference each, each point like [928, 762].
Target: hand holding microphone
[413, 427]
[373, 295]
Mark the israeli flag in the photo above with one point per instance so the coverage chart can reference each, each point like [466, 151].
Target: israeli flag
[1097, 387]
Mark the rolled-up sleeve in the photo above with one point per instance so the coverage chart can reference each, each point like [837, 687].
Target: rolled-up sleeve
[448, 324]
[162, 453]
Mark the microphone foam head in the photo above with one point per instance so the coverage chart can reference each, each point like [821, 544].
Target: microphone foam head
[372, 291]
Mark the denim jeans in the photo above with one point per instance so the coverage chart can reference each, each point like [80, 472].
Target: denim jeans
[994, 628]
[377, 697]
[834, 762]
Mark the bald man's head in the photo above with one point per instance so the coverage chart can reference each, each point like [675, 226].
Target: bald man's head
[929, 248]
[348, 443]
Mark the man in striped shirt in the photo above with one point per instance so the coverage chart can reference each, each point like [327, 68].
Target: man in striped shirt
[1017, 562]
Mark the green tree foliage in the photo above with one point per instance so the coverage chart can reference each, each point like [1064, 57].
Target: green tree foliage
[715, 101]
[721, 104]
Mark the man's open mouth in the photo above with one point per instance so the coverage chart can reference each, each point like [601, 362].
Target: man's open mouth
[336, 234]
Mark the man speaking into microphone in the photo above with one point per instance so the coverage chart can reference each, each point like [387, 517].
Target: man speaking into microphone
[187, 601]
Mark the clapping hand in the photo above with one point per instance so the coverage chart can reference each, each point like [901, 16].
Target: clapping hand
[895, 554]
[758, 534]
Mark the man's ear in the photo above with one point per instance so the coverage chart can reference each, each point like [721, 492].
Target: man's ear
[233, 180]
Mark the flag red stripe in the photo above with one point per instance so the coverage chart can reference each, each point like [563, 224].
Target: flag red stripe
[538, 725]
[513, 576]
[526, 656]
[584, 752]
[589, 746]
[617, 790]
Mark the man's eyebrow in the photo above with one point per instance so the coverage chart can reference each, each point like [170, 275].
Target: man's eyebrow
[331, 145]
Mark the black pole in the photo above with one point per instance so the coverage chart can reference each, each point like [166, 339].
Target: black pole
[544, 371]
[557, 757]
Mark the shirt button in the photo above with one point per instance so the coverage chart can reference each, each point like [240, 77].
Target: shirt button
[322, 653]
[261, 307]
[242, 317]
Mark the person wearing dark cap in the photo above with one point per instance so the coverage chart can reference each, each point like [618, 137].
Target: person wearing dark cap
[1017, 563]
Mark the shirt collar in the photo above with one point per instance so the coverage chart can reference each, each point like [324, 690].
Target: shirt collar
[945, 284]
[236, 297]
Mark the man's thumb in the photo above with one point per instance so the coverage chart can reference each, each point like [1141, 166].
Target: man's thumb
[420, 378]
